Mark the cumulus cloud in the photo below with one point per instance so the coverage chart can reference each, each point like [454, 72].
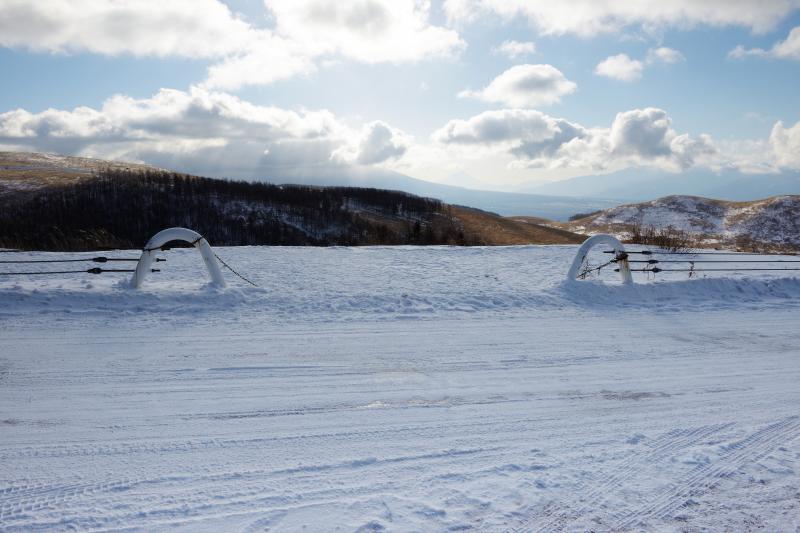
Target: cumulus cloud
[536, 140]
[785, 144]
[515, 49]
[664, 54]
[187, 28]
[789, 48]
[203, 132]
[525, 86]
[371, 31]
[377, 143]
[620, 67]
[590, 17]
[305, 32]
[644, 132]
[268, 59]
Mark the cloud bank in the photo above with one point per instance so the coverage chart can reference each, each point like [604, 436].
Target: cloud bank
[305, 33]
[587, 18]
[204, 132]
[638, 137]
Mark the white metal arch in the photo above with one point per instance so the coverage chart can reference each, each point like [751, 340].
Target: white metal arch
[591, 242]
[177, 234]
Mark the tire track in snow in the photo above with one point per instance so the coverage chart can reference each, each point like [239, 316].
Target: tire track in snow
[228, 493]
[705, 477]
[555, 517]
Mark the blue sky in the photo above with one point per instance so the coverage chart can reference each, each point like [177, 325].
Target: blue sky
[414, 87]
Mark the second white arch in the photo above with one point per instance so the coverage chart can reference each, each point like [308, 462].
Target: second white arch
[601, 239]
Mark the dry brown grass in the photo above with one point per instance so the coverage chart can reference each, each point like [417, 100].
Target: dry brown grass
[31, 170]
[490, 229]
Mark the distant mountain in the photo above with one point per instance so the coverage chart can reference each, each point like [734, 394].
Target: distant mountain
[644, 183]
[502, 203]
[60, 203]
[773, 222]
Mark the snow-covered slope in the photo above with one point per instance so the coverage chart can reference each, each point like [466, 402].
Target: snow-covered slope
[774, 220]
[398, 389]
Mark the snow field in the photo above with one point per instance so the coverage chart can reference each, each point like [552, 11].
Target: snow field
[399, 389]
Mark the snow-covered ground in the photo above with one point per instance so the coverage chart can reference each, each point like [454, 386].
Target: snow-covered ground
[405, 389]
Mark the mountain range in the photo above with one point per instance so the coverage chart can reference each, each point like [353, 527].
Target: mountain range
[646, 183]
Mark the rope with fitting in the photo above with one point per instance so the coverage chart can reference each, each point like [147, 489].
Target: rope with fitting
[657, 252]
[226, 265]
[95, 270]
[94, 259]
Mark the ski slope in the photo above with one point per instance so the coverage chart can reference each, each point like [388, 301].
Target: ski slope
[399, 389]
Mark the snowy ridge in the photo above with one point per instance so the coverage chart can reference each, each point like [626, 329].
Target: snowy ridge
[773, 220]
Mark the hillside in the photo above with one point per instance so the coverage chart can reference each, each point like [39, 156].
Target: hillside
[65, 203]
[32, 171]
[773, 222]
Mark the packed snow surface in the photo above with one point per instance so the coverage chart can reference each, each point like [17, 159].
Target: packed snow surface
[398, 389]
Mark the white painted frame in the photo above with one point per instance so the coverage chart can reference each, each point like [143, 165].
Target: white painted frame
[608, 240]
[177, 234]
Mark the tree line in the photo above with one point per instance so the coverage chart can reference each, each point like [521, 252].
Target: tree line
[123, 209]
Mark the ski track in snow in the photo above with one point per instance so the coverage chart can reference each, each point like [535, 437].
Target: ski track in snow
[399, 389]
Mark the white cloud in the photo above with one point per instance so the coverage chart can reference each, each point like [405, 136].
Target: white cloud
[529, 139]
[536, 140]
[267, 60]
[785, 144]
[515, 49]
[525, 86]
[620, 67]
[204, 132]
[187, 28]
[591, 17]
[505, 126]
[378, 143]
[644, 132]
[786, 49]
[371, 31]
[663, 54]
[305, 32]
[790, 47]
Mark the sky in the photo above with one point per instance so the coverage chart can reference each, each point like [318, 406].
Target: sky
[493, 94]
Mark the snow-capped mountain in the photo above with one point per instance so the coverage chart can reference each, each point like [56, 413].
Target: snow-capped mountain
[774, 221]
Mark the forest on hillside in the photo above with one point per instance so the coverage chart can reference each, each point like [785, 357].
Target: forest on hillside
[123, 209]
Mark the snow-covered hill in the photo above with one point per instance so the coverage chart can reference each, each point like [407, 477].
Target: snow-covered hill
[773, 221]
